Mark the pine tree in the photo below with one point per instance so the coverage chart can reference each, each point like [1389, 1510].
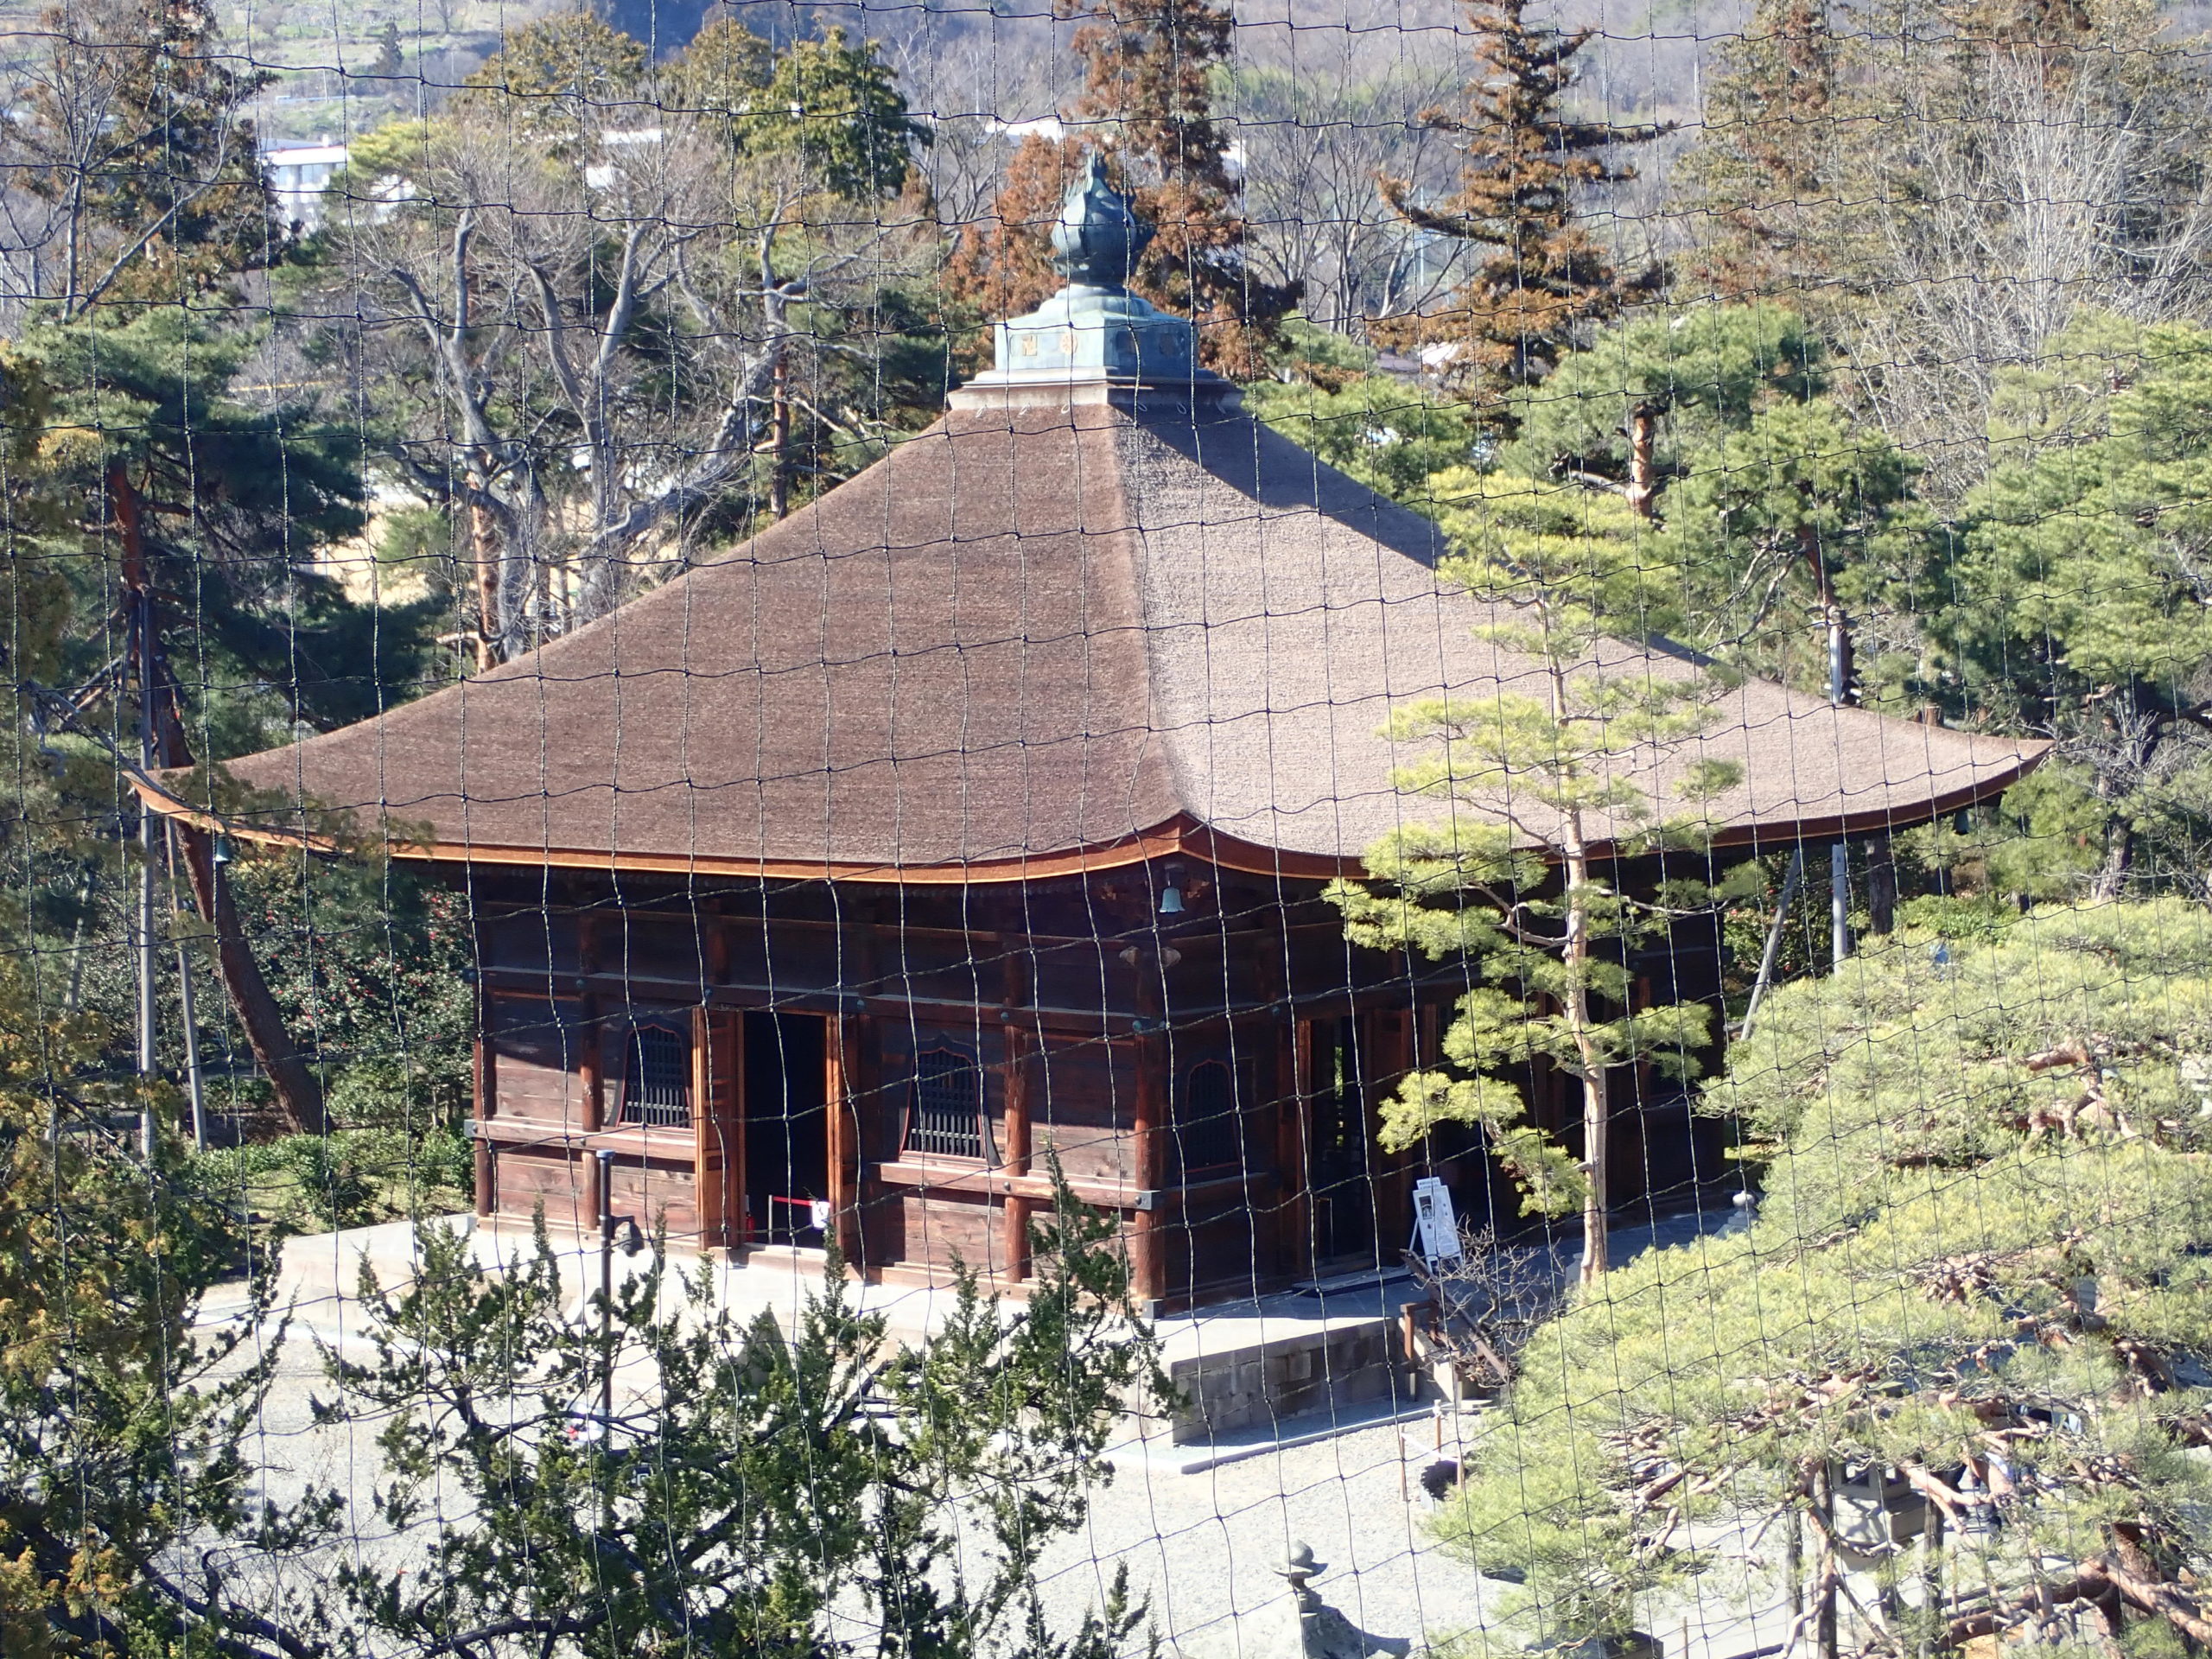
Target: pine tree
[2075, 608]
[664, 1473]
[1762, 173]
[1526, 162]
[1147, 92]
[1966, 1324]
[1540, 794]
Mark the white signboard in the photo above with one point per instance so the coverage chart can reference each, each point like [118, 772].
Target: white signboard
[1436, 1228]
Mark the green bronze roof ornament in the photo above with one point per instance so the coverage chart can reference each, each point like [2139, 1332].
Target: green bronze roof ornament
[1098, 238]
[1095, 341]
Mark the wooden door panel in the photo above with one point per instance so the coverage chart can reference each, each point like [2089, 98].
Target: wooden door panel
[717, 1061]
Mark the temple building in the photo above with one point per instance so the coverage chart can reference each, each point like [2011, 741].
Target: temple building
[979, 812]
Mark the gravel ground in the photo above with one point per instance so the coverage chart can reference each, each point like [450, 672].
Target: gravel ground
[1200, 1547]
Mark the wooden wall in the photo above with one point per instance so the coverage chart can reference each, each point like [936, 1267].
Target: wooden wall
[1085, 1016]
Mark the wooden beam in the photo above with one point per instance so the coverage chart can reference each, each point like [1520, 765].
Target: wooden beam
[979, 1182]
[487, 1173]
[839, 1043]
[1015, 1222]
[1296, 1211]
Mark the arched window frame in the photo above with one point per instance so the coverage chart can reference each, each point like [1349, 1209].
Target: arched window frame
[656, 1087]
[1209, 1131]
[937, 1125]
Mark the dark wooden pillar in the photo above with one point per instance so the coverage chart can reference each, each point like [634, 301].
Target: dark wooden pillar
[717, 1124]
[1394, 1057]
[856, 1098]
[591, 1065]
[485, 1103]
[1148, 1261]
[841, 1054]
[1296, 1208]
[1015, 1220]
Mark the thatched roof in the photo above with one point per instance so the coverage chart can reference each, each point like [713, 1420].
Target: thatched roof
[1050, 631]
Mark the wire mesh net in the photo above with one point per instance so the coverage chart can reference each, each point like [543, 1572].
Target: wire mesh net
[1131, 825]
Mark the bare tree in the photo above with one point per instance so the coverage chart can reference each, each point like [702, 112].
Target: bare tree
[127, 166]
[2039, 190]
[1485, 1306]
[1314, 137]
[587, 336]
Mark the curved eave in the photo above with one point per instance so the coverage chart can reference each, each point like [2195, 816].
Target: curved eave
[1180, 836]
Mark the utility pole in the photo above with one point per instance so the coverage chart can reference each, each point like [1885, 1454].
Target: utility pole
[1839, 668]
[140, 599]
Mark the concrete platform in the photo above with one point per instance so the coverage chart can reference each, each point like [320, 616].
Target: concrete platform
[1255, 1375]
[1251, 1372]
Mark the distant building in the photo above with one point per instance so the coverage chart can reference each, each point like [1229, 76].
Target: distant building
[298, 174]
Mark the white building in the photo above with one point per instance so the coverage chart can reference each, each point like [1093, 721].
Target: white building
[298, 174]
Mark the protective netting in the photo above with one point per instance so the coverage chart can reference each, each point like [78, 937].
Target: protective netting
[918, 830]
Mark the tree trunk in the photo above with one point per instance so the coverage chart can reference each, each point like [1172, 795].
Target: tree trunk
[299, 1092]
[1596, 1112]
[1642, 470]
[1881, 884]
[779, 439]
[491, 627]
[2119, 856]
[1824, 1609]
[1772, 952]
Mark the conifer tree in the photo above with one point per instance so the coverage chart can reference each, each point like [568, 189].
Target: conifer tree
[1762, 173]
[1965, 1329]
[134, 134]
[2077, 607]
[1536, 776]
[1148, 97]
[663, 1473]
[1546, 280]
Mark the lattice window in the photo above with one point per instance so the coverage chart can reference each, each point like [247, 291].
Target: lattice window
[657, 1082]
[945, 1119]
[1206, 1130]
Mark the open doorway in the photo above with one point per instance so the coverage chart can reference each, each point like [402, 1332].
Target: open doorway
[786, 1129]
[1340, 1164]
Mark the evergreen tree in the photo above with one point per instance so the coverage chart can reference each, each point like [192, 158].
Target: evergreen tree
[836, 109]
[1148, 70]
[130, 1520]
[1967, 1323]
[1941, 184]
[2076, 606]
[658, 1474]
[1325, 395]
[125, 1418]
[205, 520]
[1762, 500]
[134, 136]
[568, 66]
[1539, 796]
[1527, 164]
[1633, 410]
[1760, 171]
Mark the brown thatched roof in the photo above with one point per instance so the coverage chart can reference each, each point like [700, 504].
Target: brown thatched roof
[1034, 637]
